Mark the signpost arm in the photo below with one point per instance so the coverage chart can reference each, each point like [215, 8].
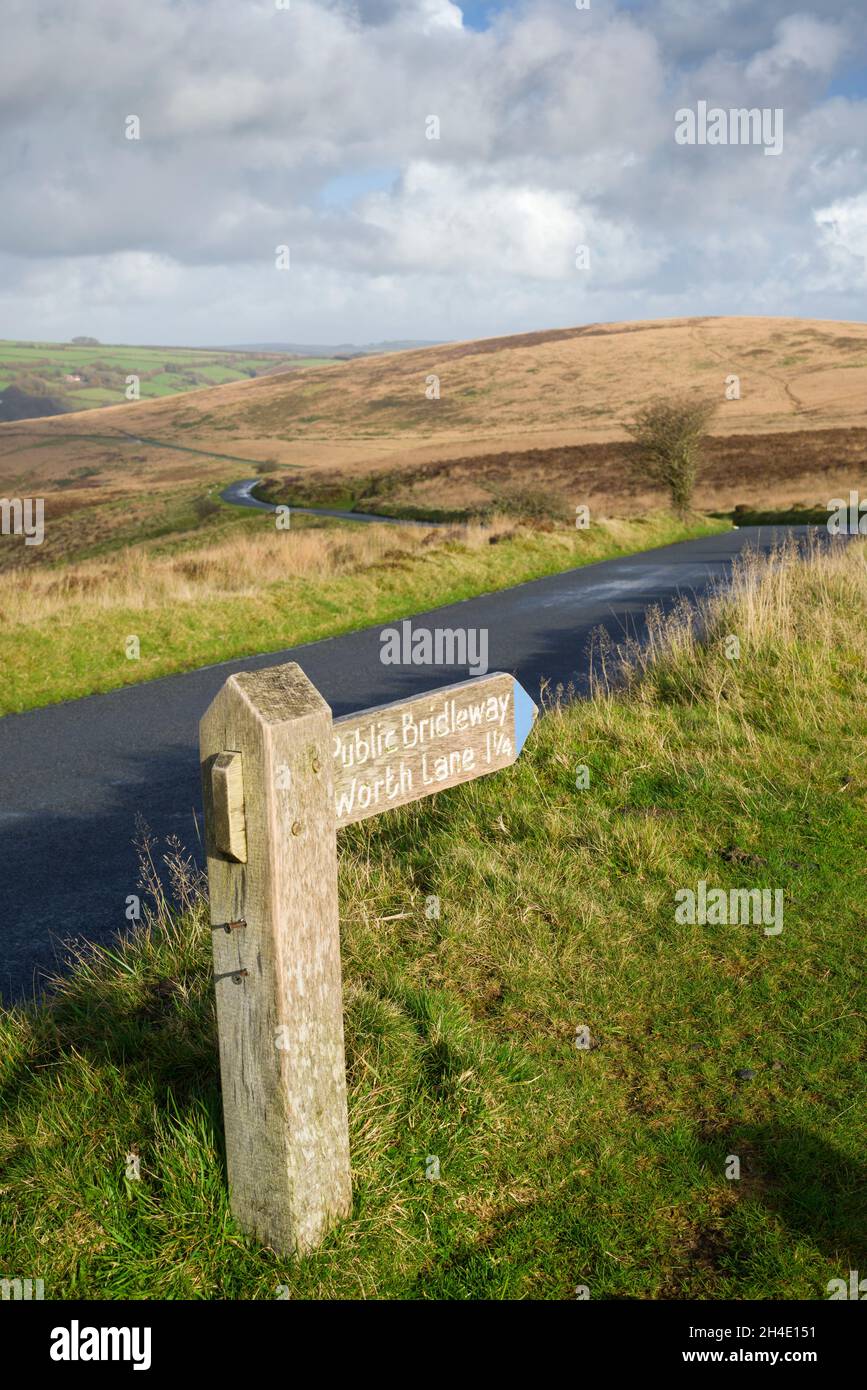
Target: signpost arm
[268, 780]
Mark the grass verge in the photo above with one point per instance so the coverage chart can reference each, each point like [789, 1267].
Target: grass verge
[559, 1166]
[195, 600]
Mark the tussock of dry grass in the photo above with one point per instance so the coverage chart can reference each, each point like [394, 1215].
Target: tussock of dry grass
[808, 593]
[240, 565]
[795, 606]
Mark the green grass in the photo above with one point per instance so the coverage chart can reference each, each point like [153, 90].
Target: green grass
[199, 368]
[97, 395]
[217, 375]
[83, 650]
[559, 1166]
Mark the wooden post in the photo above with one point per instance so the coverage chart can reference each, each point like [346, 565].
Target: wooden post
[268, 781]
[278, 780]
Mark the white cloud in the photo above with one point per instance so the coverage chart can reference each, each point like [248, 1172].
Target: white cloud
[440, 14]
[556, 130]
[844, 233]
[802, 41]
[451, 221]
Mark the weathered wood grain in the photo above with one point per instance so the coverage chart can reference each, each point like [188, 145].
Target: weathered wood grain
[395, 753]
[280, 1024]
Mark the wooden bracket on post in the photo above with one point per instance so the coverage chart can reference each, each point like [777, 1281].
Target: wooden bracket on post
[227, 790]
[270, 830]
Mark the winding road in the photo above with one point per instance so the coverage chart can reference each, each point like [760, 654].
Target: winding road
[241, 495]
[74, 776]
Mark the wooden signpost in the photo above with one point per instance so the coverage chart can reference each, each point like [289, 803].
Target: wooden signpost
[279, 778]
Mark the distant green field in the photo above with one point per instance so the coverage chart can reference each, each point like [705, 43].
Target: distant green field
[217, 375]
[34, 376]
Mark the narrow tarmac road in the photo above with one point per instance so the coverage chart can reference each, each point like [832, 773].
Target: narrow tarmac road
[74, 777]
[240, 495]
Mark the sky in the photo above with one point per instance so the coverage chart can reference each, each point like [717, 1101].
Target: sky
[284, 185]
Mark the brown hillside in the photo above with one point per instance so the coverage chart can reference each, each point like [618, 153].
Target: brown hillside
[544, 407]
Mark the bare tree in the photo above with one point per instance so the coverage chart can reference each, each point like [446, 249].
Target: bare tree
[669, 432]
